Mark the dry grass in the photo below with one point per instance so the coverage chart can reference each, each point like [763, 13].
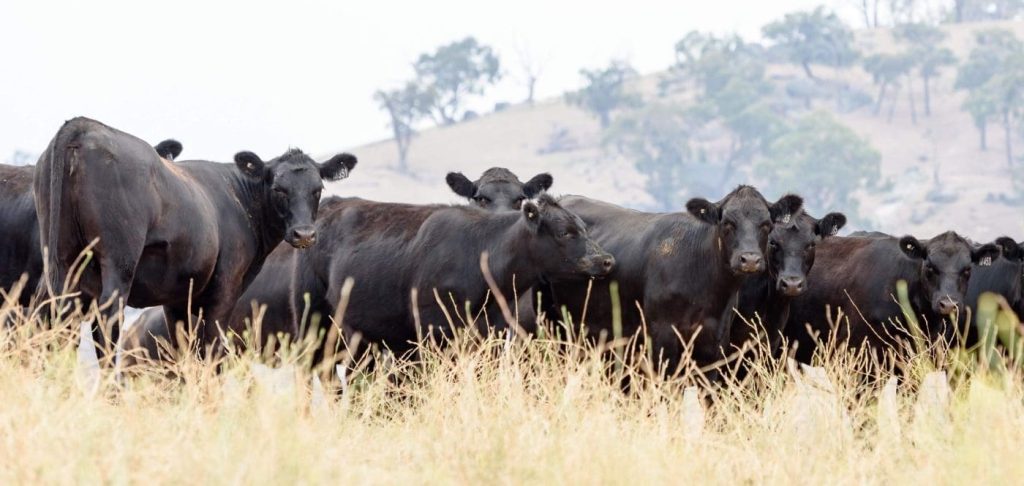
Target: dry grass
[492, 411]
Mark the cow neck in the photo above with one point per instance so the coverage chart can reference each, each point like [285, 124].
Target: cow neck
[512, 252]
[264, 223]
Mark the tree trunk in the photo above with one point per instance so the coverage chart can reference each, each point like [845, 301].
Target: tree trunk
[807, 68]
[982, 128]
[910, 96]
[876, 14]
[927, 98]
[866, 10]
[892, 104]
[958, 11]
[530, 85]
[606, 119]
[881, 96]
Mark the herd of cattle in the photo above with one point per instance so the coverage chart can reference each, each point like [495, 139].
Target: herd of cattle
[198, 237]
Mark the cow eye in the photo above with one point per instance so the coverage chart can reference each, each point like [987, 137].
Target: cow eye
[966, 273]
[765, 227]
[729, 225]
[482, 199]
[772, 244]
[810, 246]
[931, 269]
[281, 190]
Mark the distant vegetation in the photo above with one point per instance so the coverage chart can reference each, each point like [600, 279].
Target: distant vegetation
[718, 118]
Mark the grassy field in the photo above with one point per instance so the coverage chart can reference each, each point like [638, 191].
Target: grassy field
[489, 410]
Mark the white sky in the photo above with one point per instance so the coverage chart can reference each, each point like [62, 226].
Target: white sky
[223, 76]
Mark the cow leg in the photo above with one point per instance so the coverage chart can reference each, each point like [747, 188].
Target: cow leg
[116, 275]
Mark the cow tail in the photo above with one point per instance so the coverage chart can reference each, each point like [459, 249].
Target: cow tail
[62, 154]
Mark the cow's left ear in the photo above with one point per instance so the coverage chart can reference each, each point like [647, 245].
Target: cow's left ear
[532, 213]
[169, 149]
[539, 183]
[1010, 249]
[913, 248]
[338, 167]
[830, 224]
[984, 254]
[250, 164]
[704, 210]
[785, 208]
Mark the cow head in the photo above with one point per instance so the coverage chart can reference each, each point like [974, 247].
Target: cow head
[1006, 275]
[498, 189]
[292, 184]
[945, 262]
[743, 220]
[791, 249]
[560, 242]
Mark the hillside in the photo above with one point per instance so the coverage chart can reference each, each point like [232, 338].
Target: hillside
[520, 138]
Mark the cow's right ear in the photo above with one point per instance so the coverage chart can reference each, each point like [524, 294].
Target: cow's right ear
[785, 208]
[1011, 250]
[703, 210]
[539, 183]
[250, 164]
[913, 248]
[531, 211]
[461, 184]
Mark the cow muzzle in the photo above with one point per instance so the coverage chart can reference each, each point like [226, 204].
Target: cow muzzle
[599, 265]
[749, 262]
[301, 236]
[946, 305]
[792, 285]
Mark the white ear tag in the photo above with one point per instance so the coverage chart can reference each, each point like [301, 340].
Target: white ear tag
[985, 262]
[785, 218]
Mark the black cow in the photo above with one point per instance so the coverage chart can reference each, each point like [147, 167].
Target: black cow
[498, 188]
[20, 249]
[683, 269]
[791, 250]
[1005, 276]
[858, 274]
[164, 229]
[390, 249]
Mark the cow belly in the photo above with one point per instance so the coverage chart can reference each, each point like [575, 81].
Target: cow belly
[164, 277]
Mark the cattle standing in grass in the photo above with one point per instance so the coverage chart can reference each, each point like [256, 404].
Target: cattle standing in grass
[859, 274]
[20, 249]
[683, 269]
[165, 230]
[390, 249]
[1005, 276]
[791, 249]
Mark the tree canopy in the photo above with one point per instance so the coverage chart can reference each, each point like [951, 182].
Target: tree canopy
[453, 73]
[815, 37]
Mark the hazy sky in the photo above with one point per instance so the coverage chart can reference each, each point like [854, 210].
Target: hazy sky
[223, 76]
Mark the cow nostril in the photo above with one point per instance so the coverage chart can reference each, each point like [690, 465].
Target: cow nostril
[608, 263]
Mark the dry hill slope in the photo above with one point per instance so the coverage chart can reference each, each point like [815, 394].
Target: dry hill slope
[520, 138]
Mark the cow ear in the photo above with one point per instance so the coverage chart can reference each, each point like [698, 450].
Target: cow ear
[250, 164]
[338, 167]
[984, 254]
[531, 211]
[830, 224]
[913, 248]
[704, 210]
[1011, 250]
[169, 149]
[784, 209]
[539, 183]
[460, 184]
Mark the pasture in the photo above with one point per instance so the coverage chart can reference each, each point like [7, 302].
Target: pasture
[492, 410]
